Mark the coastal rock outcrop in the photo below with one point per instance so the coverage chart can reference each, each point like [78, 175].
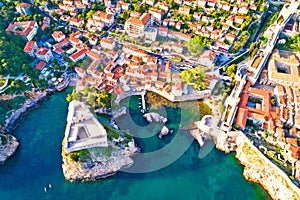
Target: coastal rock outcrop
[226, 142]
[8, 145]
[164, 131]
[100, 164]
[260, 170]
[150, 117]
[200, 136]
[32, 102]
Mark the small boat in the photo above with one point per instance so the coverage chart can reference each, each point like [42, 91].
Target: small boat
[50, 186]
[64, 84]
[45, 189]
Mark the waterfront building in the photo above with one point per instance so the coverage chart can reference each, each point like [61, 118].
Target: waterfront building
[83, 130]
[255, 104]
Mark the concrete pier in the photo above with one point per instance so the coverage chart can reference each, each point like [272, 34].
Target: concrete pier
[143, 101]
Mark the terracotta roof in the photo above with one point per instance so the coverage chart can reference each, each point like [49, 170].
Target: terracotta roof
[230, 35]
[40, 65]
[42, 51]
[44, 26]
[46, 20]
[292, 141]
[27, 27]
[75, 20]
[59, 50]
[57, 34]
[107, 40]
[77, 54]
[145, 18]
[141, 21]
[74, 40]
[134, 21]
[62, 43]
[79, 70]
[153, 10]
[255, 113]
[163, 29]
[93, 54]
[266, 97]
[23, 5]
[29, 46]
[240, 17]
[102, 15]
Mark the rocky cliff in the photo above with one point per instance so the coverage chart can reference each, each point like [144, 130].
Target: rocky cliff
[99, 164]
[260, 170]
[8, 145]
[32, 102]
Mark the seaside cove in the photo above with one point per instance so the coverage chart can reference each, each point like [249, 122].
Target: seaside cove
[37, 165]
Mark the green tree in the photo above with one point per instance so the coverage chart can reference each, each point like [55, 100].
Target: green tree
[254, 52]
[273, 100]
[230, 70]
[252, 46]
[189, 17]
[89, 14]
[69, 98]
[187, 76]
[261, 7]
[195, 45]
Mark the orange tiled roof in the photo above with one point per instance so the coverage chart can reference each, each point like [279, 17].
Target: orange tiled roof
[42, 51]
[145, 18]
[23, 5]
[40, 65]
[29, 46]
[57, 34]
[107, 40]
[242, 117]
[27, 27]
[78, 54]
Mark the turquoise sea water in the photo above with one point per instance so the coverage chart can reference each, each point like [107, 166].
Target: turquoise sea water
[37, 163]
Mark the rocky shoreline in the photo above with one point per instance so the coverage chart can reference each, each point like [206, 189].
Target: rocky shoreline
[33, 102]
[98, 166]
[257, 168]
[9, 144]
[261, 170]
